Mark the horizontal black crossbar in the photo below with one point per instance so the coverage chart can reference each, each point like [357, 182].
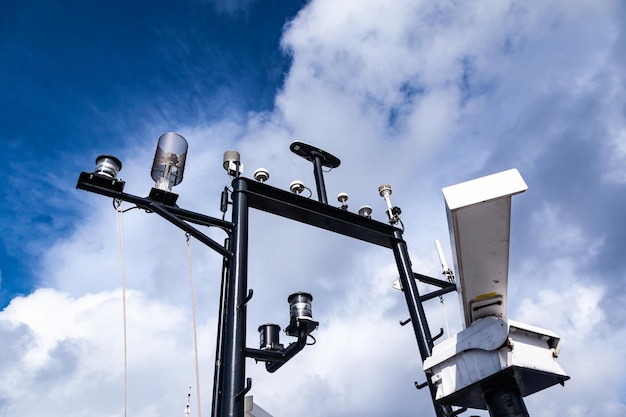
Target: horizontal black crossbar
[285, 204]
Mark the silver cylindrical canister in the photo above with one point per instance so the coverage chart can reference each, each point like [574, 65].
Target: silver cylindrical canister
[169, 160]
[300, 306]
[108, 166]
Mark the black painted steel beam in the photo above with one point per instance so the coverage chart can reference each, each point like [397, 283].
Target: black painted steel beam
[173, 214]
[305, 210]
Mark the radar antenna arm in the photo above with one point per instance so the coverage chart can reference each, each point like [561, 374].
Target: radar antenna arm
[320, 159]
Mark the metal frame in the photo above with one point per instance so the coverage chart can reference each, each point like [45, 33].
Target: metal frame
[230, 382]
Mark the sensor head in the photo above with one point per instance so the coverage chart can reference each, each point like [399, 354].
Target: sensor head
[232, 163]
[296, 187]
[384, 190]
[261, 175]
[365, 211]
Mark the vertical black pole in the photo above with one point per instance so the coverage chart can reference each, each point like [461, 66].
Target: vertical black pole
[416, 312]
[411, 294]
[319, 180]
[231, 401]
[219, 345]
[505, 401]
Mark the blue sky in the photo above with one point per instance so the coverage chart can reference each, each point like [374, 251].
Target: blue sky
[77, 77]
[417, 94]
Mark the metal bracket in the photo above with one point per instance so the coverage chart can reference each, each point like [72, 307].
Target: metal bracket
[420, 386]
[438, 335]
[246, 389]
[245, 300]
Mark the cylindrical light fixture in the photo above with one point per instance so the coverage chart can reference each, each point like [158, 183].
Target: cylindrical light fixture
[169, 161]
[107, 166]
[300, 305]
[269, 336]
[301, 313]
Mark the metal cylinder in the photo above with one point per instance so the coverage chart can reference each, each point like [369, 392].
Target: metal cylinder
[230, 156]
[169, 160]
[505, 402]
[300, 306]
[108, 166]
[384, 190]
[269, 336]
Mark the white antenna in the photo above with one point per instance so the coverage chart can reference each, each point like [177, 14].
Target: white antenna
[446, 270]
[188, 407]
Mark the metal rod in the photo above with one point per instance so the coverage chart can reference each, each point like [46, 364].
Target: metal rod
[437, 293]
[416, 312]
[219, 345]
[161, 211]
[411, 293]
[231, 404]
[319, 179]
[434, 281]
[290, 352]
[276, 358]
[200, 219]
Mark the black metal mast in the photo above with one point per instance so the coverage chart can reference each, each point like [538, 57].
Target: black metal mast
[230, 381]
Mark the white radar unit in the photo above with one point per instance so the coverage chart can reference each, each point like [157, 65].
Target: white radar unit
[479, 219]
[492, 357]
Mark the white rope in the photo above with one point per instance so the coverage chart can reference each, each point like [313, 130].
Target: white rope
[195, 333]
[120, 232]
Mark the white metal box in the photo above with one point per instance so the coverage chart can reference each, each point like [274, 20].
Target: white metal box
[491, 352]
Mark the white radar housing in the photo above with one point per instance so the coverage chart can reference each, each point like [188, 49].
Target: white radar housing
[479, 219]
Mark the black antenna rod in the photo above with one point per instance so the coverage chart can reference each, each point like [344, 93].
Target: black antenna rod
[320, 159]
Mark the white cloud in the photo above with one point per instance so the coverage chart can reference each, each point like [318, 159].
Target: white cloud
[557, 234]
[420, 95]
[70, 355]
[561, 292]
[590, 348]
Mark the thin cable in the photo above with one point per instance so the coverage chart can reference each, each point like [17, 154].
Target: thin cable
[450, 276]
[187, 407]
[193, 313]
[445, 316]
[120, 232]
